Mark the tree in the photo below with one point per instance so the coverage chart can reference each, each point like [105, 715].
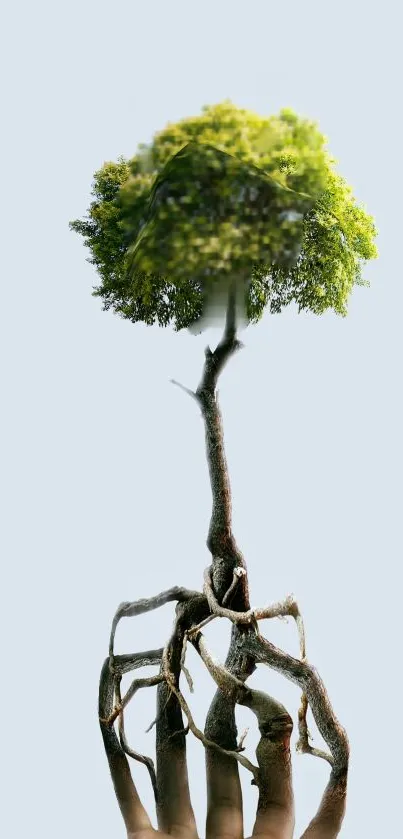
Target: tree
[308, 248]
[337, 236]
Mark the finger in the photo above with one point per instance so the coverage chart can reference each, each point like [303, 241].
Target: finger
[275, 811]
[174, 809]
[133, 812]
[329, 818]
[224, 794]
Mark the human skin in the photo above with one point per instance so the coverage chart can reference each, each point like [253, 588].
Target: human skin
[275, 817]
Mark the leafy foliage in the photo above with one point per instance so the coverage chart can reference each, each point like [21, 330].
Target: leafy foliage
[221, 194]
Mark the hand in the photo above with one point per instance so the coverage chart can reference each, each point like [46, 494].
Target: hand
[275, 809]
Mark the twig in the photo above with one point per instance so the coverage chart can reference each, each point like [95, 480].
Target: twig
[184, 731]
[147, 761]
[242, 739]
[193, 727]
[185, 389]
[188, 678]
[136, 685]
[283, 608]
[238, 572]
[153, 723]
[183, 667]
[193, 630]
[151, 726]
[303, 746]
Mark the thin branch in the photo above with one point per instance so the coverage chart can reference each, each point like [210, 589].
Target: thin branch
[267, 710]
[153, 723]
[238, 573]
[301, 633]
[120, 664]
[136, 685]
[307, 678]
[184, 731]
[184, 669]
[139, 607]
[151, 726]
[193, 630]
[185, 389]
[228, 684]
[188, 679]
[288, 607]
[303, 746]
[193, 727]
[242, 739]
[147, 761]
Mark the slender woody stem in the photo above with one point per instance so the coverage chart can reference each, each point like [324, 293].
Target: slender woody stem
[307, 678]
[170, 679]
[147, 761]
[139, 607]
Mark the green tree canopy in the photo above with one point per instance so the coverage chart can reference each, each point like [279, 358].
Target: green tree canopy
[227, 194]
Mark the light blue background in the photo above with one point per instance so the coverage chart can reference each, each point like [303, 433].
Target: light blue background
[106, 491]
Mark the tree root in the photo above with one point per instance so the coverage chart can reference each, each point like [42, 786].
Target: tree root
[268, 711]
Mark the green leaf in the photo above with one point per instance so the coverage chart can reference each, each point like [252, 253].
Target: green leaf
[168, 228]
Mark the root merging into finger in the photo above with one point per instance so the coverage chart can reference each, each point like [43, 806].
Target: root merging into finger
[270, 714]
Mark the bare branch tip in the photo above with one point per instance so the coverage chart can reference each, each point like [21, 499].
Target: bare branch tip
[185, 389]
